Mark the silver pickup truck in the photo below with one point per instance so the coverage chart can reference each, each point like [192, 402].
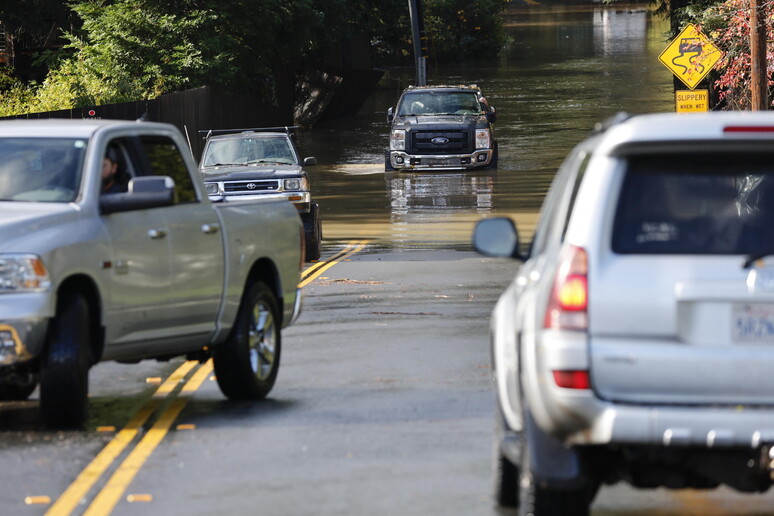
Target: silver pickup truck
[111, 250]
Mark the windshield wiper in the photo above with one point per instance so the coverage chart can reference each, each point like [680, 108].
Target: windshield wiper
[265, 161]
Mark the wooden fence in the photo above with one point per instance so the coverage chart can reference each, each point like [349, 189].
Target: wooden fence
[194, 110]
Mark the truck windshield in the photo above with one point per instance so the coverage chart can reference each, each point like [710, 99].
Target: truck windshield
[41, 169]
[688, 204]
[249, 151]
[439, 103]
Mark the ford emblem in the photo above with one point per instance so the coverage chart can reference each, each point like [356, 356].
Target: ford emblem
[252, 186]
[439, 140]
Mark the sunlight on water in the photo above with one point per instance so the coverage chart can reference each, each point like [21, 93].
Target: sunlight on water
[564, 69]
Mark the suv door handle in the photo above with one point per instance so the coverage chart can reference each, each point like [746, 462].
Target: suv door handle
[156, 234]
[209, 229]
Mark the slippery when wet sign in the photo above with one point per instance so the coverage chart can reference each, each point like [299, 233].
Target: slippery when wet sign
[690, 56]
[691, 101]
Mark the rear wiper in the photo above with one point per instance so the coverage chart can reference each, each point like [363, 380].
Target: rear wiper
[752, 258]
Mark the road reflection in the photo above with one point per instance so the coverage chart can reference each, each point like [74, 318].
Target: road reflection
[415, 197]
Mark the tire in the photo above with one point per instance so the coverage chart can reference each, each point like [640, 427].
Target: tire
[387, 164]
[506, 479]
[313, 234]
[495, 157]
[64, 372]
[246, 364]
[16, 392]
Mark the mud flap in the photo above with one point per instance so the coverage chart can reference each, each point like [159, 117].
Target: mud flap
[554, 465]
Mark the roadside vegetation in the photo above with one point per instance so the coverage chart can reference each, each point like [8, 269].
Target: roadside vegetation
[727, 24]
[124, 50]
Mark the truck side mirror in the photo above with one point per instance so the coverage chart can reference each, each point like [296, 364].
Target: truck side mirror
[492, 115]
[144, 193]
[390, 115]
[310, 161]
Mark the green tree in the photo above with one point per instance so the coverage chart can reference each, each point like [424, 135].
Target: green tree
[124, 50]
[464, 29]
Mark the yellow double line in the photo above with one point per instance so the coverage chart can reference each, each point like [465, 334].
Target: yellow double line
[109, 496]
[315, 270]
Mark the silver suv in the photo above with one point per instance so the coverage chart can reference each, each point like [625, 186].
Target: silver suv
[636, 342]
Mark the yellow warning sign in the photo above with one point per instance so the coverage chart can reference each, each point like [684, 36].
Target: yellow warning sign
[690, 56]
[691, 101]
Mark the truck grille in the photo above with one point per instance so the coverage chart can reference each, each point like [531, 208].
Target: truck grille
[458, 142]
[247, 187]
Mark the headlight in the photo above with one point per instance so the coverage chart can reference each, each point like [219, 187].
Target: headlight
[482, 139]
[297, 184]
[23, 273]
[398, 139]
[212, 188]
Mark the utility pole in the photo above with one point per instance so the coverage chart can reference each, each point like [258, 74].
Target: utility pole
[420, 40]
[759, 84]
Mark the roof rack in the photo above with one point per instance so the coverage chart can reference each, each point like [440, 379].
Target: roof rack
[286, 128]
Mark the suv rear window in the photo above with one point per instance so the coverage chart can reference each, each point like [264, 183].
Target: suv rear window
[710, 204]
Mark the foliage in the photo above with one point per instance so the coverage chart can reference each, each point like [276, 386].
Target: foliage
[464, 29]
[124, 50]
[728, 24]
[36, 20]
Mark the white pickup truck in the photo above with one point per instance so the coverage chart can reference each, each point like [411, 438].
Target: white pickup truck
[153, 272]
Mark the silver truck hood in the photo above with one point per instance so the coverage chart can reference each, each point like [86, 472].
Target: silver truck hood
[17, 219]
[238, 173]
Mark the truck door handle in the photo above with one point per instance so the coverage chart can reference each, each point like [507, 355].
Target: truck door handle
[209, 229]
[156, 234]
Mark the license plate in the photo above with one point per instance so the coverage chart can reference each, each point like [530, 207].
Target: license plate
[753, 322]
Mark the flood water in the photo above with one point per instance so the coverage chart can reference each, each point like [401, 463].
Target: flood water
[564, 69]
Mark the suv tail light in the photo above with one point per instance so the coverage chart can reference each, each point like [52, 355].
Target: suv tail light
[573, 379]
[568, 304]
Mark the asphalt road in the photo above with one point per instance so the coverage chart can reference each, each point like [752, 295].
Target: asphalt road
[382, 406]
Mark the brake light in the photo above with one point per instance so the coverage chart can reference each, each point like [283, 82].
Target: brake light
[749, 129]
[577, 379]
[568, 305]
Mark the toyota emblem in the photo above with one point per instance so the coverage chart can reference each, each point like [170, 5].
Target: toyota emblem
[252, 186]
[439, 140]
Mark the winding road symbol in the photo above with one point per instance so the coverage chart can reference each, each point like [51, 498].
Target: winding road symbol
[692, 46]
[690, 56]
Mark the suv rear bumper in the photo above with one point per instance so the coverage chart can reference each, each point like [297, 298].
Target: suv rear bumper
[581, 417]
[710, 427]
[403, 161]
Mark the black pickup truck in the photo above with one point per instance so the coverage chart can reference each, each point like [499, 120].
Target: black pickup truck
[441, 128]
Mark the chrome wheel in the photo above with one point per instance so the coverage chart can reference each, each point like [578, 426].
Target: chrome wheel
[262, 341]
[246, 364]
